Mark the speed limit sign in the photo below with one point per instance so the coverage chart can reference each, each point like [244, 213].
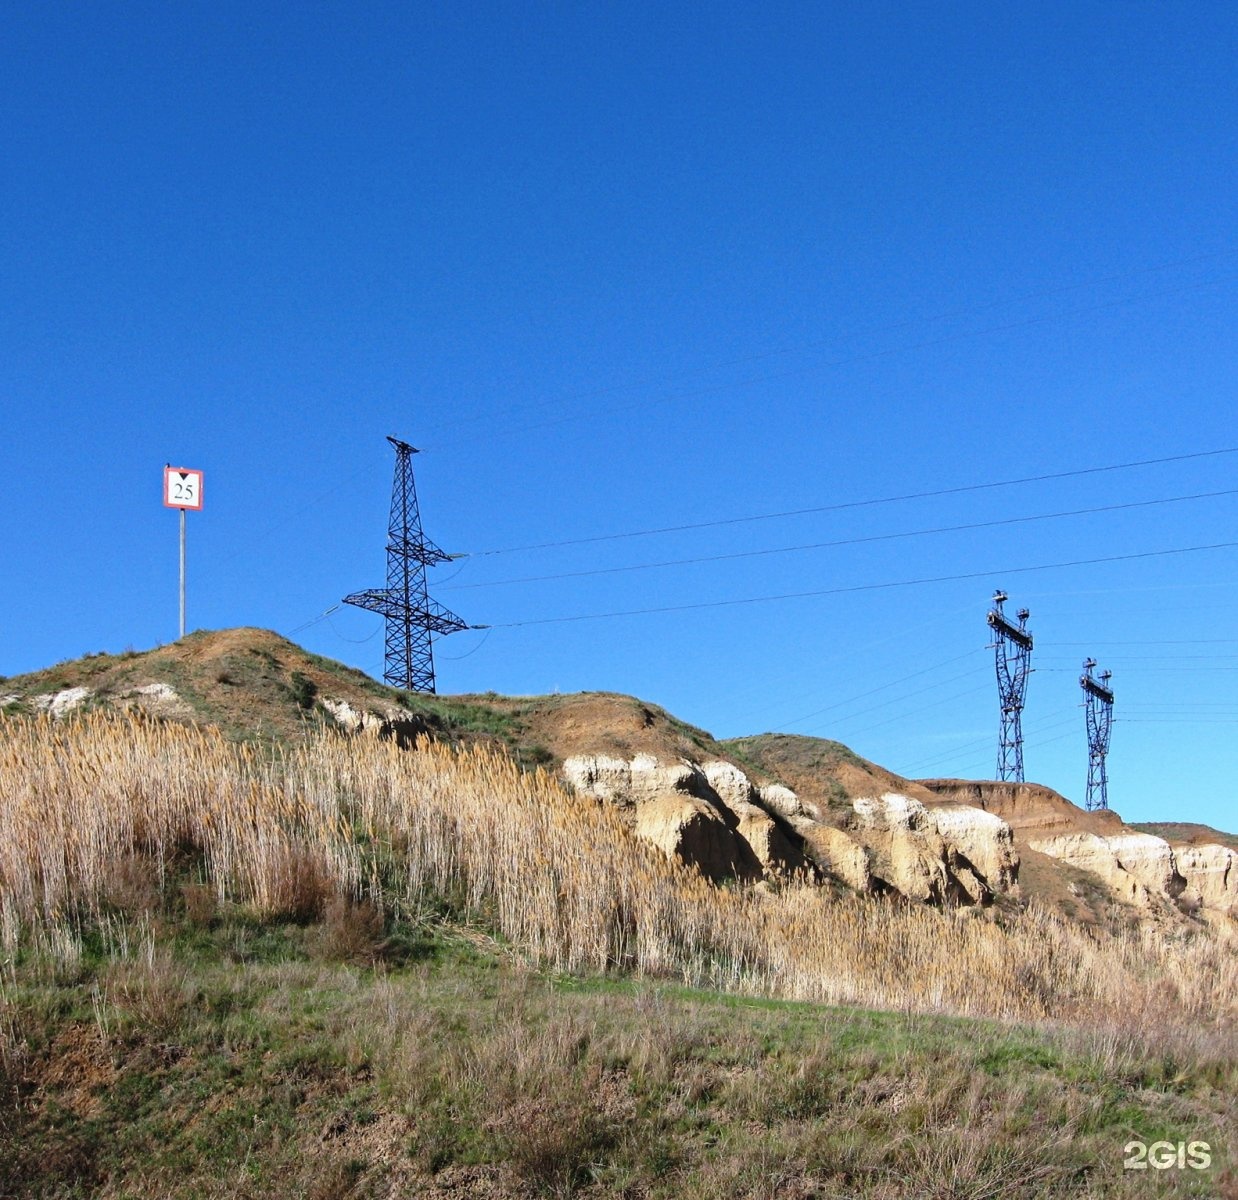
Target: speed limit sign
[182, 488]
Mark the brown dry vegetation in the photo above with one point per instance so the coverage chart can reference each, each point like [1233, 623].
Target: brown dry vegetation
[560, 877]
[224, 975]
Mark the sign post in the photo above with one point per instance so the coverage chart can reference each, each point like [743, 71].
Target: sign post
[182, 488]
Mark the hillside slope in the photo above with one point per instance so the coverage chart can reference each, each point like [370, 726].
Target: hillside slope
[319, 965]
[750, 808]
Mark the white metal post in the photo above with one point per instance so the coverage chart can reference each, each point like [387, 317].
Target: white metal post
[182, 572]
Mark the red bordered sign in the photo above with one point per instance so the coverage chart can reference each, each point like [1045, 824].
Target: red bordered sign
[182, 488]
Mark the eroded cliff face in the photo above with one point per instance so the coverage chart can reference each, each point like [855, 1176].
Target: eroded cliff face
[1143, 868]
[713, 816]
[1211, 874]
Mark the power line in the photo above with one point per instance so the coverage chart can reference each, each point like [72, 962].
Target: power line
[884, 687]
[975, 762]
[322, 616]
[902, 716]
[863, 587]
[948, 756]
[905, 696]
[857, 541]
[1139, 658]
[850, 504]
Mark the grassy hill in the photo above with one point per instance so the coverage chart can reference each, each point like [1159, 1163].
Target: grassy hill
[286, 963]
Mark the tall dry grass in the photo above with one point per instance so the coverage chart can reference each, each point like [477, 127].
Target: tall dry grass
[559, 876]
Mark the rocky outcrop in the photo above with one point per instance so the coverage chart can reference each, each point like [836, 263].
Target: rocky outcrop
[838, 854]
[60, 704]
[938, 854]
[757, 826]
[1092, 853]
[1030, 809]
[354, 720]
[629, 782]
[159, 699]
[783, 801]
[908, 848]
[1140, 867]
[688, 828]
[1150, 860]
[713, 816]
[1211, 876]
[984, 840]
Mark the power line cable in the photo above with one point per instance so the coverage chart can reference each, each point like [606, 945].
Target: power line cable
[355, 641]
[905, 696]
[850, 504]
[885, 686]
[470, 653]
[951, 755]
[902, 716]
[856, 541]
[863, 587]
[322, 616]
[1152, 642]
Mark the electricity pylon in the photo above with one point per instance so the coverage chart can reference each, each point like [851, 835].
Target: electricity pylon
[412, 617]
[1098, 707]
[1013, 644]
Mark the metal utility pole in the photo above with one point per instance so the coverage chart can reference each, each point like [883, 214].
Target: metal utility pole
[182, 633]
[411, 616]
[1098, 707]
[182, 488]
[1013, 644]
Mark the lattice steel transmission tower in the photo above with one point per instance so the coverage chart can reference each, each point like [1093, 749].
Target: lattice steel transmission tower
[412, 617]
[1098, 707]
[1013, 644]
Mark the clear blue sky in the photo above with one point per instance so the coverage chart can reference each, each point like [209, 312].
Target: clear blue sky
[621, 267]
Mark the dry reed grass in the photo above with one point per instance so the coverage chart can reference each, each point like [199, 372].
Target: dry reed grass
[560, 876]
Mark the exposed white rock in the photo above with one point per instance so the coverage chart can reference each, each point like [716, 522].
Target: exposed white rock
[715, 817]
[627, 782]
[906, 839]
[1149, 859]
[156, 691]
[161, 699]
[837, 852]
[934, 854]
[731, 785]
[1211, 874]
[986, 841]
[1140, 865]
[352, 719]
[782, 800]
[60, 704]
[1093, 853]
[890, 812]
[694, 831]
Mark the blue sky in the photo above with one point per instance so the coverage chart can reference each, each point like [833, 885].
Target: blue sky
[622, 267]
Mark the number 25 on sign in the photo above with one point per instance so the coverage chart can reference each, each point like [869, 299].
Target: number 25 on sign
[182, 488]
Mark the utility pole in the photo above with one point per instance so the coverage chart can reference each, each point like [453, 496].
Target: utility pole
[1013, 644]
[1098, 710]
[411, 616]
[182, 488]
